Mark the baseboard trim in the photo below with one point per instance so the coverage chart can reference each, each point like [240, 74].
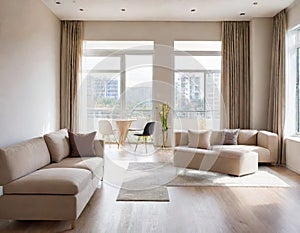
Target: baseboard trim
[292, 169]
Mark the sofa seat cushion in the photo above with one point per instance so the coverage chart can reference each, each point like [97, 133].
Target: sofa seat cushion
[263, 153]
[228, 161]
[68, 181]
[218, 151]
[192, 150]
[93, 164]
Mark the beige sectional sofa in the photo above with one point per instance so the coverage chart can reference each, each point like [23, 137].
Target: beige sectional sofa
[40, 181]
[252, 147]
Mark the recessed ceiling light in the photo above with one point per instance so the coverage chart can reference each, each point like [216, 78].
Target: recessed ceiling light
[242, 13]
[81, 9]
[193, 10]
[58, 2]
[255, 3]
[123, 9]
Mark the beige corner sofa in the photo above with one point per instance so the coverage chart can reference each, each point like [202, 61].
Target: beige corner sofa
[252, 147]
[40, 181]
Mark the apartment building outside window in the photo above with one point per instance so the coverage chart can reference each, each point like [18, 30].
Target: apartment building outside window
[197, 82]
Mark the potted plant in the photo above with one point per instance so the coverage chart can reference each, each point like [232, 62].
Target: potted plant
[164, 113]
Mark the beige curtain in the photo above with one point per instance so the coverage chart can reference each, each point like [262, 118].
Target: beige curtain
[276, 113]
[235, 84]
[71, 48]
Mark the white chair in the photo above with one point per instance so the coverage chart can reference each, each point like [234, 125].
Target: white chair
[105, 129]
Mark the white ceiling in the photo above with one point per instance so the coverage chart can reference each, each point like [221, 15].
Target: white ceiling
[165, 10]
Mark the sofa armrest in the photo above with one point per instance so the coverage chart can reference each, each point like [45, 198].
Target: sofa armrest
[99, 147]
[270, 141]
[181, 138]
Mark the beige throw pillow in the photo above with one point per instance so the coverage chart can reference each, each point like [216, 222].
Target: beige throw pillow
[58, 145]
[199, 139]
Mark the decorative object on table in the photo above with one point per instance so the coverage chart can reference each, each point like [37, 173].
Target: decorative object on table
[164, 113]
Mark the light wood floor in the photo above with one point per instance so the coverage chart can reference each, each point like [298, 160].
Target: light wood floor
[191, 209]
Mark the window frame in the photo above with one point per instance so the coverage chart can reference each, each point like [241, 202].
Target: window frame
[206, 73]
[297, 50]
[122, 71]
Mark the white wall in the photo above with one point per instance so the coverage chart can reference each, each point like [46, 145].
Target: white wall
[160, 32]
[29, 70]
[292, 146]
[293, 15]
[261, 30]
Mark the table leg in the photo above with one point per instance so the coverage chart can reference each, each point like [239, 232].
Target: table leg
[123, 127]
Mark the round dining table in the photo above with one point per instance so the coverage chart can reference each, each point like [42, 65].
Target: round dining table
[123, 126]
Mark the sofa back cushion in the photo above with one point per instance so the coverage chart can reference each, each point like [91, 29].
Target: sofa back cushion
[247, 137]
[58, 145]
[181, 138]
[217, 137]
[23, 158]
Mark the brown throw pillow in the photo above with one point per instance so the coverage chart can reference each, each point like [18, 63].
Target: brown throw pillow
[231, 136]
[82, 144]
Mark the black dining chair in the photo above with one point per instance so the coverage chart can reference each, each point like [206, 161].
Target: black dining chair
[148, 132]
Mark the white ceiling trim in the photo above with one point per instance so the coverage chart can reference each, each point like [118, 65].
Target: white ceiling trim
[165, 10]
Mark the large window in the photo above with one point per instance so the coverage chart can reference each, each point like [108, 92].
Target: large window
[292, 108]
[116, 81]
[297, 48]
[197, 83]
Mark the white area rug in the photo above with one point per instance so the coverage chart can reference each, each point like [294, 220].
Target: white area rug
[148, 181]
